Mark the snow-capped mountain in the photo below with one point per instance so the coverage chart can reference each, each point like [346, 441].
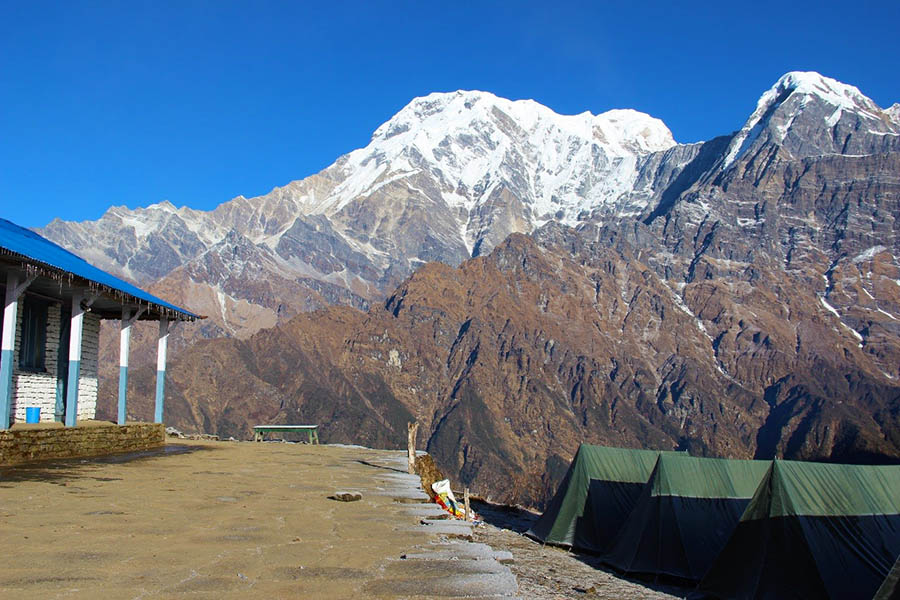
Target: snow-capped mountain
[839, 119]
[739, 297]
[449, 177]
[473, 143]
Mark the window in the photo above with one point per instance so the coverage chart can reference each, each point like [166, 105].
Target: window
[34, 335]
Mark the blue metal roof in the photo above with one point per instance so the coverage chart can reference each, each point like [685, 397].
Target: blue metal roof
[34, 247]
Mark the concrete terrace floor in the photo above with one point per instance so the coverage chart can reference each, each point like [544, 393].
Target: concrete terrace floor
[235, 520]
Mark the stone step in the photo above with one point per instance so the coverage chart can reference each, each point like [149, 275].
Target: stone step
[430, 568]
[425, 511]
[449, 585]
[442, 527]
[459, 551]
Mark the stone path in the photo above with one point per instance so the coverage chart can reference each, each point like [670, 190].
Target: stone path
[451, 566]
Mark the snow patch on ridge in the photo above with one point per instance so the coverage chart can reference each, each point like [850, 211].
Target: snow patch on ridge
[834, 311]
[868, 254]
[830, 308]
[679, 302]
[223, 310]
[886, 313]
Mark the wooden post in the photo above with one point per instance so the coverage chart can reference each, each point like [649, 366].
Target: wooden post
[411, 429]
[466, 502]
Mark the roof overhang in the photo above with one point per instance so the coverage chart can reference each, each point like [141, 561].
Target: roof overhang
[108, 302]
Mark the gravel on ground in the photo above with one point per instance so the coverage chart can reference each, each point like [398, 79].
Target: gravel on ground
[551, 573]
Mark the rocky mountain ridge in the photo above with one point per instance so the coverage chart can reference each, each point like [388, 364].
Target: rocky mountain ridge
[736, 297]
[513, 359]
[448, 177]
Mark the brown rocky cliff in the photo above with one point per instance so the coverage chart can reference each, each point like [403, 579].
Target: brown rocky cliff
[752, 309]
[513, 359]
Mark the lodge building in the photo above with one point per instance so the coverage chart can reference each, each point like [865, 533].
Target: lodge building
[54, 302]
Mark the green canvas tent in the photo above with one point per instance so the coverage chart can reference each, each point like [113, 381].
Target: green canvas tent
[813, 530]
[684, 516]
[595, 497]
[890, 588]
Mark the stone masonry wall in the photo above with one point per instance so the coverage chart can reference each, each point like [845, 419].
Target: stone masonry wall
[90, 350]
[41, 443]
[31, 388]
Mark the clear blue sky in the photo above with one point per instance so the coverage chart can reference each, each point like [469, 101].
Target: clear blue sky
[130, 102]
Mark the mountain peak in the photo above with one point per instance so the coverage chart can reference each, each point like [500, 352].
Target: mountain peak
[445, 112]
[421, 108]
[164, 205]
[830, 90]
[466, 151]
[824, 104]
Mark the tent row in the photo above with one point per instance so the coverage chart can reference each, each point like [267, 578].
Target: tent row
[736, 528]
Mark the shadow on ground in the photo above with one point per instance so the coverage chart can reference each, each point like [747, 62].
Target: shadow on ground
[520, 521]
[505, 517]
[386, 468]
[62, 471]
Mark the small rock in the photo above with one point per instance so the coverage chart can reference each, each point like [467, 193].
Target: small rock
[346, 496]
[591, 591]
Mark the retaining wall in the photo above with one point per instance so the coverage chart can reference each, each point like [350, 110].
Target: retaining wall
[24, 445]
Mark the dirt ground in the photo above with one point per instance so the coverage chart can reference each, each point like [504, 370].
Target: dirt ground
[207, 519]
[217, 520]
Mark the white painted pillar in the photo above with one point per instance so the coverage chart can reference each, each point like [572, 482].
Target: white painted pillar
[124, 346]
[161, 367]
[14, 289]
[8, 346]
[75, 331]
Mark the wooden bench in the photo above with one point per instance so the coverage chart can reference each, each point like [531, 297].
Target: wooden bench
[259, 431]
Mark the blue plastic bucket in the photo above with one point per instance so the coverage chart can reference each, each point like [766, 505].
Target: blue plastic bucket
[33, 414]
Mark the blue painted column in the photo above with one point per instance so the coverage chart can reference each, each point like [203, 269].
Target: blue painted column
[124, 346]
[8, 346]
[161, 367]
[75, 331]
